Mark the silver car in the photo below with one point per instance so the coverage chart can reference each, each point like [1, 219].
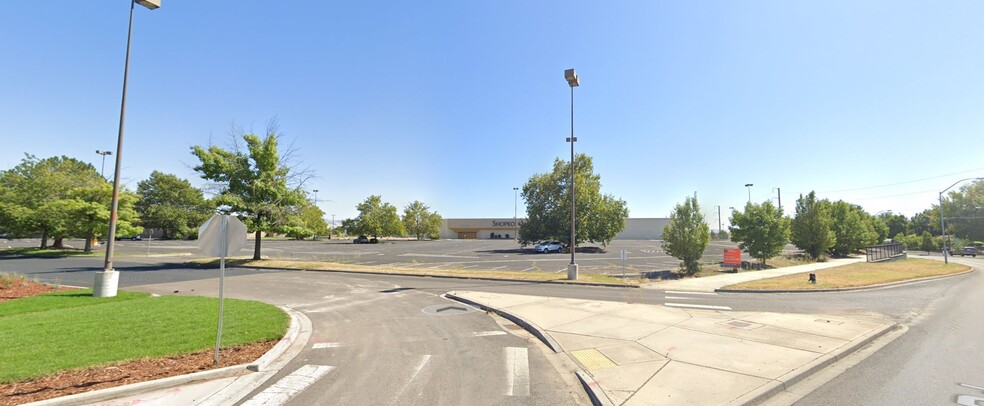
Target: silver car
[549, 246]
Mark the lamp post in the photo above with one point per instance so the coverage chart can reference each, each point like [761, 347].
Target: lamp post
[516, 211]
[749, 186]
[316, 205]
[107, 281]
[779, 195]
[103, 167]
[942, 225]
[719, 219]
[572, 81]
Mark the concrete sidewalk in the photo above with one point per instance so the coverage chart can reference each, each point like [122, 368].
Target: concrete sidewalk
[636, 354]
[710, 283]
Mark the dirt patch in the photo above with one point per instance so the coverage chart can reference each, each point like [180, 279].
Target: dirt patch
[89, 379]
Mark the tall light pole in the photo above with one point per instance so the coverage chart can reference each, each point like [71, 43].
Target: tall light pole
[719, 219]
[779, 195]
[331, 226]
[942, 225]
[108, 280]
[516, 211]
[103, 167]
[749, 186]
[316, 205]
[573, 82]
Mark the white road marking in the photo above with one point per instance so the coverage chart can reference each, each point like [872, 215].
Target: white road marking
[681, 298]
[696, 306]
[971, 386]
[289, 386]
[318, 346]
[488, 333]
[517, 371]
[416, 371]
[437, 256]
[368, 263]
[498, 267]
[675, 292]
[529, 269]
[469, 267]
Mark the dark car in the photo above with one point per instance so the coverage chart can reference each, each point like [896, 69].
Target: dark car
[969, 250]
[361, 240]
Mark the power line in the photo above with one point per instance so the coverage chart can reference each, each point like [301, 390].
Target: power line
[902, 183]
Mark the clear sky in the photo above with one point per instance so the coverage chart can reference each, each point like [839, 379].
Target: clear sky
[454, 103]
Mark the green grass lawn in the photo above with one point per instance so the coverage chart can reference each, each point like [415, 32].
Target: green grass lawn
[48, 333]
[856, 275]
[48, 252]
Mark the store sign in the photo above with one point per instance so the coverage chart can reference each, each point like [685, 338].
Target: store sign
[732, 256]
[497, 223]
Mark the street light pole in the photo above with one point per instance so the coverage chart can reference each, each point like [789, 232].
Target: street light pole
[572, 81]
[331, 226]
[942, 225]
[779, 195]
[102, 168]
[515, 212]
[316, 205]
[719, 220]
[749, 186]
[107, 281]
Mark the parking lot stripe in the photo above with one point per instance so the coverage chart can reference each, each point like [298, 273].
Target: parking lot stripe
[694, 306]
[529, 269]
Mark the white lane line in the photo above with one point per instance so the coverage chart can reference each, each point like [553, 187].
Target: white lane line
[675, 292]
[971, 386]
[318, 346]
[681, 298]
[498, 267]
[469, 267]
[289, 386]
[416, 371]
[529, 269]
[517, 371]
[696, 306]
[437, 256]
[488, 333]
[368, 263]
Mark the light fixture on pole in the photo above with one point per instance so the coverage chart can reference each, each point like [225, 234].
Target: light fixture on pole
[943, 225]
[516, 211]
[102, 168]
[572, 81]
[749, 186]
[107, 281]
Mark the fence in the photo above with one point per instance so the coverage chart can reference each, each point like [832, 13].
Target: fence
[885, 252]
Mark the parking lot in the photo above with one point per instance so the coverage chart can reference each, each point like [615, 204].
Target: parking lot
[477, 255]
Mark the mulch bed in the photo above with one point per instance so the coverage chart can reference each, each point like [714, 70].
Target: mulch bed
[84, 380]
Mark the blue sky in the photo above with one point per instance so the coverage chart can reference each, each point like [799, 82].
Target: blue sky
[456, 103]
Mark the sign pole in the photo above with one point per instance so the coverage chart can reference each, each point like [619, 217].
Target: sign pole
[223, 248]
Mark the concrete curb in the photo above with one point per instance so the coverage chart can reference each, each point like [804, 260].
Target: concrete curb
[859, 288]
[526, 324]
[607, 285]
[179, 380]
[783, 382]
[597, 395]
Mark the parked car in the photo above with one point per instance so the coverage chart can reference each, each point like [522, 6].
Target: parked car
[549, 246]
[361, 240]
[969, 250]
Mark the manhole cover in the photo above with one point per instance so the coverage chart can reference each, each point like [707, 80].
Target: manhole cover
[448, 309]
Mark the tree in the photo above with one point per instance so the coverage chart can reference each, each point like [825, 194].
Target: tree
[33, 194]
[686, 236]
[811, 229]
[761, 230]
[598, 217]
[419, 221]
[896, 223]
[849, 228]
[927, 243]
[256, 183]
[377, 218]
[964, 212]
[172, 205]
[307, 222]
[923, 222]
[89, 211]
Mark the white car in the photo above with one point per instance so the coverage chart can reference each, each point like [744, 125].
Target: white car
[549, 246]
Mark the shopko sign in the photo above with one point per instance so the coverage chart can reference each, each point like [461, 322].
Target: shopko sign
[496, 223]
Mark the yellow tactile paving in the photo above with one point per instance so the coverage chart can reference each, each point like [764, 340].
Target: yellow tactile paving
[591, 359]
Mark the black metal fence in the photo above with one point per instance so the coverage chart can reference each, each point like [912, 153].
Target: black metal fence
[885, 252]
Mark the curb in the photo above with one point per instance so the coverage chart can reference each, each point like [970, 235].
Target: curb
[591, 387]
[607, 285]
[783, 383]
[854, 289]
[526, 324]
[179, 380]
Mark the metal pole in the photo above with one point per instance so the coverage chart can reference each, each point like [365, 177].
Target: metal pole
[331, 226]
[516, 212]
[111, 238]
[943, 229]
[719, 221]
[224, 240]
[779, 193]
[573, 242]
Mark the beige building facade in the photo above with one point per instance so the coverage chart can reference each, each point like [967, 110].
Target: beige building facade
[507, 228]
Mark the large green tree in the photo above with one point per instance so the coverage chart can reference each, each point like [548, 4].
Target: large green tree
[172, 205]
[255, 183]
[761, 230]
[686, 236]
[34, 194]
[963, 211]
[850, 227]
[548, 206]
[812, 228]
[377, 218]
[307, 222]
[89, 209]
[419, 221]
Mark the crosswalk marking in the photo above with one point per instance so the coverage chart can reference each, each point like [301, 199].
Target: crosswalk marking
[517, 371]
[488, 333]
[318, 346]
[289, 386]
[695, 306]
[416, 371]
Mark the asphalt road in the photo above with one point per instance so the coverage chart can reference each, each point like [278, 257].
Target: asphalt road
[377, 335]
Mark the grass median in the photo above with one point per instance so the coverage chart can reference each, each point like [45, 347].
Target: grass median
[66, 330]
[534, 275]
[856, 275]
